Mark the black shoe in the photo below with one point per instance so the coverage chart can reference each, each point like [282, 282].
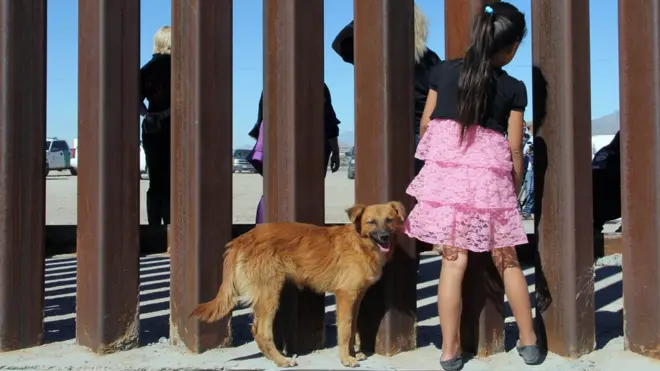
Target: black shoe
[454, 364]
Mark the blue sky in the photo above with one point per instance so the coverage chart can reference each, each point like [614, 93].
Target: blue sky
[63, 73]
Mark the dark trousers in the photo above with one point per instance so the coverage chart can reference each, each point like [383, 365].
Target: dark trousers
[157, 152]
[606, 196]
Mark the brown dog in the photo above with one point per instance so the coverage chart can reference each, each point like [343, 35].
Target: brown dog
[344, 260]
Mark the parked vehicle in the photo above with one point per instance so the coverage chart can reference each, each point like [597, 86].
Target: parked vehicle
[58, 156]
[240, 164]
[351, 163]
[144, 174]
[74, 157]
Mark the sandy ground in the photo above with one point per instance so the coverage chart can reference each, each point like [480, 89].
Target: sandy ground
[156, 353]
[61, 199]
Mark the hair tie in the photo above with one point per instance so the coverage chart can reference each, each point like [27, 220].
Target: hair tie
[488, 9]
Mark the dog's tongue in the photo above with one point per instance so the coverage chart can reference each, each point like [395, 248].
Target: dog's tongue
[385, 248]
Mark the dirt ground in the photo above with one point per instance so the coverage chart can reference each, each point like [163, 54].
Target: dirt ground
[62, 191]
[156, 353]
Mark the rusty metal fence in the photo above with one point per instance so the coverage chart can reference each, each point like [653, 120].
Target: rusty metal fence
[108, 234]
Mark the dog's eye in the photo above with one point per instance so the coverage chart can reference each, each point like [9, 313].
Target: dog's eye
[371, 222]
[389, 220]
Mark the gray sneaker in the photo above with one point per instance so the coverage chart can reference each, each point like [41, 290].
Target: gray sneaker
[531, 354]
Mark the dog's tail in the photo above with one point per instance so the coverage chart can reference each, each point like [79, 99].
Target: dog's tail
[226, 299]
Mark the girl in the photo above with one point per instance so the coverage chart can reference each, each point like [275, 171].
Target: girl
[466, 192]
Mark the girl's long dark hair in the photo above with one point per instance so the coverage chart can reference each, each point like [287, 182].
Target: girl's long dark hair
[498, 26]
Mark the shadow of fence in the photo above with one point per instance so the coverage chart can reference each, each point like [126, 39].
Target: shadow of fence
[60, 303]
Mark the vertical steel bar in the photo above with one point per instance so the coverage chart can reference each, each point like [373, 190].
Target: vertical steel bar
[458, 21]
[293, 107]
[482, 318]
[22, 164]
[384, 148]
[108, 185]
[201, 165]
[639, 58]
[560, 50]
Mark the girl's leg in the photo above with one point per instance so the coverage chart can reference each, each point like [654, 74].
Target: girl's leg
[454, 263]
[515, 287]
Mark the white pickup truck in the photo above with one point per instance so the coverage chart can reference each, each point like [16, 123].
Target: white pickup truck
[58, 156]
[74, 160]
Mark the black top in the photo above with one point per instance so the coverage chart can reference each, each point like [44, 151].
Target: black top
[344, 44]
[330, 117]
[608, 157]
[155, 82]
[423, 71]
[510, 95]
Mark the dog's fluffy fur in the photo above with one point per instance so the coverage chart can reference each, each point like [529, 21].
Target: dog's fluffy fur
[345, 260]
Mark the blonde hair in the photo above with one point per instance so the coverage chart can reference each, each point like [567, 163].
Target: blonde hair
[163, 40]
[421, 33]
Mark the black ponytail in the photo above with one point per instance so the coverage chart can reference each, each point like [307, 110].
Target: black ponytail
[474, 85]
[498, 26]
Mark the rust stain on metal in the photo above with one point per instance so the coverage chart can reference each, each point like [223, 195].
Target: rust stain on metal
[201, 165]
[639, 56]
[560, 49]
[108, 185]
[294, 147]
[128, 340]
[384, 110]
[22, 179]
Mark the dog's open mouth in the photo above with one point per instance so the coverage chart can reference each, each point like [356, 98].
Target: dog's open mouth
[384, 247]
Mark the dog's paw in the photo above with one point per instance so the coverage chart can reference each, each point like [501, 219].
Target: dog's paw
[350, 362]
[360, 356]
[286, 362]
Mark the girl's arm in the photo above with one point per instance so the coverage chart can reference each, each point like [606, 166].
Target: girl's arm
[429, 107]
[515, 135]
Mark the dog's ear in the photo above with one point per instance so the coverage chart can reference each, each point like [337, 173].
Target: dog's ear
[398, 207]
[355, 213]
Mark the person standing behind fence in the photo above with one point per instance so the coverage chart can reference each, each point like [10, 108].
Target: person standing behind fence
[528, 150]
[425, 60]
[466, 192]
[528, 205]
[155, 88]
[330, 150]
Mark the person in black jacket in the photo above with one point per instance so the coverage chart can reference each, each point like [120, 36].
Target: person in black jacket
[425, 60]
[331, 129]
[330, 150]
[155, 88]
[606, 181]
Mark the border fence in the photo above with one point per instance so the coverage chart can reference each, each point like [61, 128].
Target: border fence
[108, 231]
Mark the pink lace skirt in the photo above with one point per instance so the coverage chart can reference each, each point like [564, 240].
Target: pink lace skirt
[465, 193]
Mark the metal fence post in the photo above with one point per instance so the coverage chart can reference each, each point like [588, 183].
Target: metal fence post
[294, 143]
[384, 113]
[201, 165]
[22, 165]
[562, 128]
[108, 184]
[639, 58]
